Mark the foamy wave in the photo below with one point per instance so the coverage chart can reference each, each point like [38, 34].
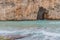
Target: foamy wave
[36, 34]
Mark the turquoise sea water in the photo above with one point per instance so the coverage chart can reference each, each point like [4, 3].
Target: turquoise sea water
[38, 30]
[10, 25]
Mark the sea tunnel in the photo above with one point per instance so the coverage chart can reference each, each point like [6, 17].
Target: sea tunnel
[42, 13]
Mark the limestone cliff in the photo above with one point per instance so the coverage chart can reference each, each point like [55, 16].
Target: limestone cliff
[28, 9]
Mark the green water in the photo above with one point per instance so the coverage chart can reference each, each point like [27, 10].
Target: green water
[45, 29]
[13, 25]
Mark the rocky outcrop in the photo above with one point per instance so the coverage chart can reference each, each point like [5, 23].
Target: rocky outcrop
[28, 9]
[18, 10]
[54, 11]
[53, 7]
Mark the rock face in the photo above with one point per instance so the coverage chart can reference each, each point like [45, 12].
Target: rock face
[18, 10]
[28, 9]
[53, 7]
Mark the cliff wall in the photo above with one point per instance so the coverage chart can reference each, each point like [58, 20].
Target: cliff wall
[28, 9]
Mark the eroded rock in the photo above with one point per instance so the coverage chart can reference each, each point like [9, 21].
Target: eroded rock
[28, 9]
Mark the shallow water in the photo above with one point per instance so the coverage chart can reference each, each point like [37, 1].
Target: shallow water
[39, 30]
[10, 25]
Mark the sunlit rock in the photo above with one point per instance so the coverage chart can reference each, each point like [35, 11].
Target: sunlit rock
[28, 9]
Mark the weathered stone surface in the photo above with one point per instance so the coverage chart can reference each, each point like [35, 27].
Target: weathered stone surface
[53, 7]
[17, 10]
[28, 9]
[54, 12]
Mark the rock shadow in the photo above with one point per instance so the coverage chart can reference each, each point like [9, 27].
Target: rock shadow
[42, 12]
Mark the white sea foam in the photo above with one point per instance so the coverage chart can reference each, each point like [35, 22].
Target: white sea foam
[36, 34]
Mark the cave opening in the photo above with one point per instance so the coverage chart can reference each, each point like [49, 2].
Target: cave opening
[42, 13]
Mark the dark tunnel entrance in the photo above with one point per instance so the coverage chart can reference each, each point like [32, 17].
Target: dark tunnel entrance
[41, 13]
